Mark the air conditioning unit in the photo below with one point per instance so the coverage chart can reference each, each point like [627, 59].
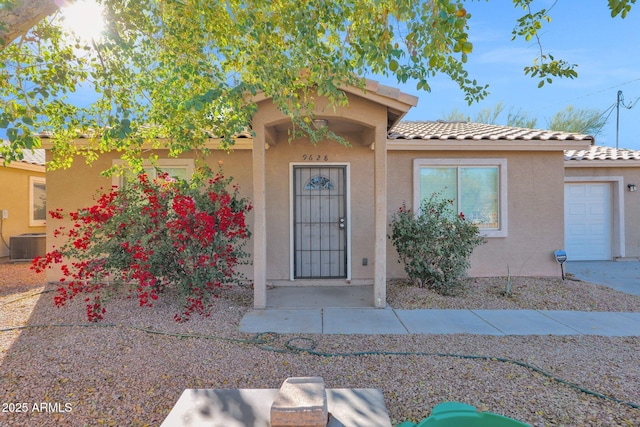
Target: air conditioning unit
[26, 247]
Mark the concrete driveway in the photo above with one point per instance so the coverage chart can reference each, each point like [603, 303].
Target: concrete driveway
[623, 276]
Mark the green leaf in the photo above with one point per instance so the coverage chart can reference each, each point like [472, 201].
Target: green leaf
[146, 67]
[12, 134]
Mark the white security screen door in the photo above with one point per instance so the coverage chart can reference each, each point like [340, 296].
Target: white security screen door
[320, 239]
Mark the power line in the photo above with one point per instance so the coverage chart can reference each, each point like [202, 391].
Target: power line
[607, 89]
[610, 110]
[569, 101]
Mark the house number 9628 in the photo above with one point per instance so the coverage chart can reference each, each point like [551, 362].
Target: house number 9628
[315, 157]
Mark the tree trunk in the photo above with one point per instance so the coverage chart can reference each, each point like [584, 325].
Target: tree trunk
[18, 20]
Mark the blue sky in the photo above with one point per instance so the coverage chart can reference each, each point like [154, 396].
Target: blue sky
[581, 32]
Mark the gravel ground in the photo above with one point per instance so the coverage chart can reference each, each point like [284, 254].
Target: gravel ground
[535, 293]
[115, 373]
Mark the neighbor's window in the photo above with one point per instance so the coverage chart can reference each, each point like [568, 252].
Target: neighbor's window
[37, 201]
[476, 186]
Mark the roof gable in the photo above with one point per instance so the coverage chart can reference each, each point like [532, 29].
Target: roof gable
[395, 101]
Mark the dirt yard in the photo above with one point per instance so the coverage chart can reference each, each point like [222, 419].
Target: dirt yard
[59, 370]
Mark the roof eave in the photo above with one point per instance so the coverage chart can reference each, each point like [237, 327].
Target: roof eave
[17, 164]
[486, 145]
[160, 144]
[602, 163]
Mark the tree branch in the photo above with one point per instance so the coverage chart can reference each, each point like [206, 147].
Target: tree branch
[18, 19]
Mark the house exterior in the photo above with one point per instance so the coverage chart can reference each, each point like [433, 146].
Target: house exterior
[22, 200]
[321, 212]
[602, 204]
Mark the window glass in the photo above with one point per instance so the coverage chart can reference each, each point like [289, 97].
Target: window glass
[173, 171]
[434, 180]
[479, 195]
[179, 172]
[37, 201]
[474, 190]
[176, 168]
[319, 182]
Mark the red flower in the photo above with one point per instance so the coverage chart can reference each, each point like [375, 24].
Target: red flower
[154, 233]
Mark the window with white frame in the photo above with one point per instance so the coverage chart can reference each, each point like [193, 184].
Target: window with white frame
[478, 188]
[176, 168]
[37, 201]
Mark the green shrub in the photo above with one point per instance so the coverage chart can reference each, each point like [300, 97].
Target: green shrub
[152, 234]
[435, 244]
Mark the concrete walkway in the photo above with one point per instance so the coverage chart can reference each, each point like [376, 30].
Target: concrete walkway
[354, 315]
[623, 276]
[481, 322]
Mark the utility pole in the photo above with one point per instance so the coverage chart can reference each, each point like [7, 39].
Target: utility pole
[618, 116]
[620, 101]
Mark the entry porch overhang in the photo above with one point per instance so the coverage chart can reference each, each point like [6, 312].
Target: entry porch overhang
[371, 113]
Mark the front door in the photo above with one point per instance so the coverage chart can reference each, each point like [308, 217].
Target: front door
[319, 215]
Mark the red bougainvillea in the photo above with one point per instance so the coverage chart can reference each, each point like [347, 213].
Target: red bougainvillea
[149, 235]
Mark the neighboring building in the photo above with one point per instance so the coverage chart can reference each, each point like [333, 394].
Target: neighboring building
[602, 204]
[321, 213]
[22, 201]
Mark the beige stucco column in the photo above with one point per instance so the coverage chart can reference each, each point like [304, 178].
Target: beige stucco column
[380, 216]
[260, 219]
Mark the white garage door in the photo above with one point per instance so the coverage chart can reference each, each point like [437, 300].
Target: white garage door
[587, 221]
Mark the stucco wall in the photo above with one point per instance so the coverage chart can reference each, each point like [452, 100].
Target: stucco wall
[535, 212]
[631, 202]
[535, 204]
[360, 224]
[69, 190]
[237, 165]
[14, 197]
[77, 187]
[355, 124]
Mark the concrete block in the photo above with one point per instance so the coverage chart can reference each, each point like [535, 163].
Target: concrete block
[300, 402]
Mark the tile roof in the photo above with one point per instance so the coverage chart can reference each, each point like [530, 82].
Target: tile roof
[35, 157]
[460, 131]
[32, 157]
[390, 92]
[597, 152]
[444, 130]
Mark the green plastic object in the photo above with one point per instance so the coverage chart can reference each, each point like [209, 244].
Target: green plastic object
[456, 414]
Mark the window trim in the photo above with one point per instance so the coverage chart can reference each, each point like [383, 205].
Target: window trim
[116, 180]
[501, 164]
[32, 221]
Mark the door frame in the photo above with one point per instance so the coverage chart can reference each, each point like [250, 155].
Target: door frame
[292, 255]
[618, 241]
